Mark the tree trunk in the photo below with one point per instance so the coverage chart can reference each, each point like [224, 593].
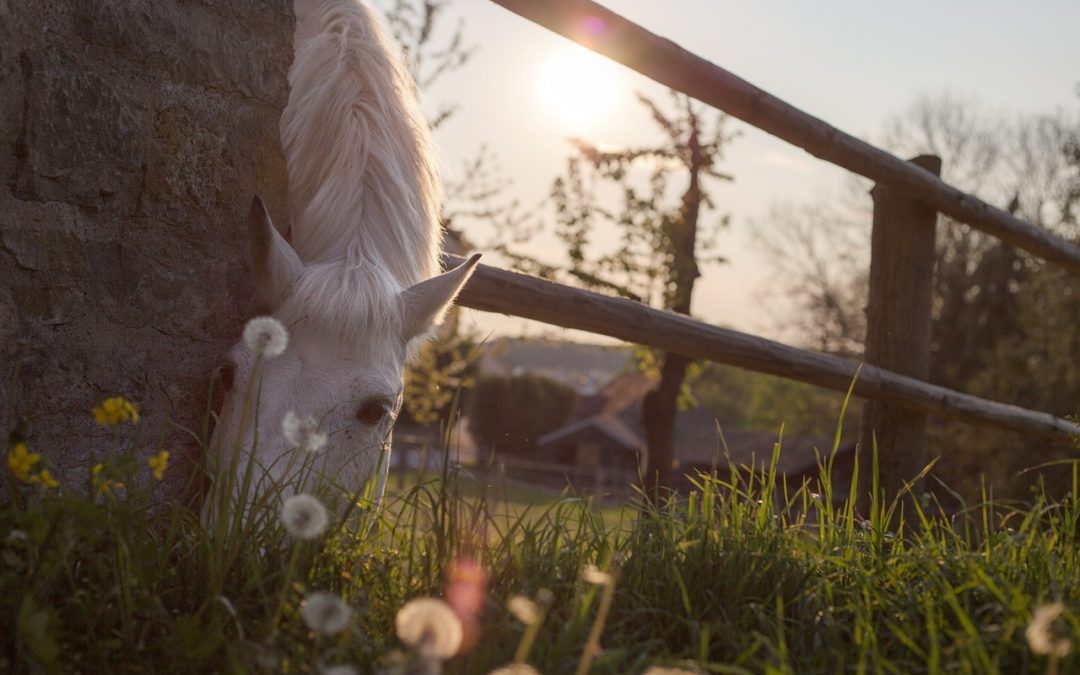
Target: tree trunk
[660, 410]
[133, 134]
[660, 407]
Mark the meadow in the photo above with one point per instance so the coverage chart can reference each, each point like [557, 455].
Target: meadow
[737, 576]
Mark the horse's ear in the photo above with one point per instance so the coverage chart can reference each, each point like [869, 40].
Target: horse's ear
[274, 263]
[426, 303]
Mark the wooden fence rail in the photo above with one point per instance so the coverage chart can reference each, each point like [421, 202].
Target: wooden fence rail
[659, 59]
[495, 290]
[907, 196]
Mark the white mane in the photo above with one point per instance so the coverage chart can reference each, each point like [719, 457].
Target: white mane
[363, 187]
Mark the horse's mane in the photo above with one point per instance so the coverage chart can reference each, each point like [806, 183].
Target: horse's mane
[363, 185]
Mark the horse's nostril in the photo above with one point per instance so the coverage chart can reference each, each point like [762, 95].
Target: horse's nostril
[223, 378]
[226, 374]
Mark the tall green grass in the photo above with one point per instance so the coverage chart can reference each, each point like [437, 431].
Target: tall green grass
[743, 573]
[739, 575]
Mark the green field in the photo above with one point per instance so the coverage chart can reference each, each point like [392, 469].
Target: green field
[732, 578]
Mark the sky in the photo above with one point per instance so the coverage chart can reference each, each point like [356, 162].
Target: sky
[851, 64]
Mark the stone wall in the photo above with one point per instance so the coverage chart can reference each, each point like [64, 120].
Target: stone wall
[133, 134]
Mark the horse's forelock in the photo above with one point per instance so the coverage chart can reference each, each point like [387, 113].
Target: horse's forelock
[353, 306]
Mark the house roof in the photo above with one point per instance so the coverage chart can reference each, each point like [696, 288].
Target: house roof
[624, 391]
[700, 440]
[610, 427]
[620, 393]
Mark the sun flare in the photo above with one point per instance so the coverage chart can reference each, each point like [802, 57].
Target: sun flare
[578, 87]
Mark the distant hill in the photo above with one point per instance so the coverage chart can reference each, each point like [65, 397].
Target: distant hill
[582, 366]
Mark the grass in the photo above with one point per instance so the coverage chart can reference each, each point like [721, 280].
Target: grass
[734, 578]
[503, 500]
[740, 575]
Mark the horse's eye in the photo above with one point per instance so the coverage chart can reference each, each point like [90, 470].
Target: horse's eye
[372, 412]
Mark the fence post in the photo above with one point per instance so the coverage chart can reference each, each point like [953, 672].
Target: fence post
[898, 324]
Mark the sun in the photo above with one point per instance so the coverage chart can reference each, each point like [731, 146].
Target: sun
[578, 87]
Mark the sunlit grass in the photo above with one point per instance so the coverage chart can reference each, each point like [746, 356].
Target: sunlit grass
[741, 574]
[735, 577]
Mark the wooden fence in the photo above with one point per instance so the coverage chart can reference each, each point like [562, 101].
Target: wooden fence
[907, 197]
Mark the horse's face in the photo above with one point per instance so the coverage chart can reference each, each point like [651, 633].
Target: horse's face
[349, 400]
[342, 367]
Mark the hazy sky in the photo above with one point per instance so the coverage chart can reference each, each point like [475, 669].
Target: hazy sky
[851, 64]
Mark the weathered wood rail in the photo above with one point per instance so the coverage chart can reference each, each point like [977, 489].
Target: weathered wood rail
[495, 290]
[665, 62]
[907, 196]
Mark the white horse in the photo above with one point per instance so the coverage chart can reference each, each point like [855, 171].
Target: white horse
[357, 287]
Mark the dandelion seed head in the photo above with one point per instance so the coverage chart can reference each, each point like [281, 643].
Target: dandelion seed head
[545, 597]
[302, 433]
[663, 670]
[593, 575]
[266, 335]
[515, 669]
[325, 613]
[1044, 635]
[304, 516]
[400, 663]
[337, 669]
[430, 627]
[524, 610]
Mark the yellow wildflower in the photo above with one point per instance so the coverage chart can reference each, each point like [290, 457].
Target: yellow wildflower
[101, 485]
[47, 480]
[20, 461]
[115, 410]
[158, 463]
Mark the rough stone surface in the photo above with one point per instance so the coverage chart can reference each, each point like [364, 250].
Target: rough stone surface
[133, 134]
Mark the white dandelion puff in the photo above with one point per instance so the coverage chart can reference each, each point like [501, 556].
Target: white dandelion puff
[593, 575]
[545, 597]
[302, 433]
[325, 613]
[430, 627]
[304, 516]
[661, 670]
[266, 335]
[337, 669]
[515, 669]
[1044, 635]
[399, 663]
[524, 610]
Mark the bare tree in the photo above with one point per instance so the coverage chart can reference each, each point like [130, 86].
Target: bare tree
[655, 197]
[988, 307]
[418, 26]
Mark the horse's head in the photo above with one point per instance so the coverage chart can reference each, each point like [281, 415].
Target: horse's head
[349, 330]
